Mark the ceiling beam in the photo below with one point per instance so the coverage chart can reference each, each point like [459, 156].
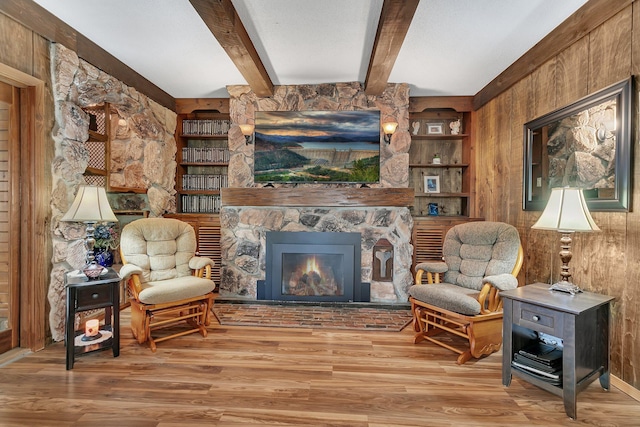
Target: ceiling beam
[395, 19]
[40, 21]
[591, 15]
[224, 23]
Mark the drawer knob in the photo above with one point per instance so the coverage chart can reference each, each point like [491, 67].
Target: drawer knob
[536, 318]
[96, 295]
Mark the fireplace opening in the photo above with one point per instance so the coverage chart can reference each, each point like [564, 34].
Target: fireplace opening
[308, 275]
[307, 266]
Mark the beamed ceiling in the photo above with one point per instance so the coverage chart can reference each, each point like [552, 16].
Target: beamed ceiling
[172, 49]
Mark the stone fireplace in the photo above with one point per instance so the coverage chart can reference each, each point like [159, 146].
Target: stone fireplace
[250, 211]
[245, 228]
[313, 266]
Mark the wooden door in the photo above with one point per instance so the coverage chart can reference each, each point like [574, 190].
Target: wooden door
[9, 217]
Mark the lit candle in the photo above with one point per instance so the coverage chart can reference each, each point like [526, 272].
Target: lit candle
[92, 327]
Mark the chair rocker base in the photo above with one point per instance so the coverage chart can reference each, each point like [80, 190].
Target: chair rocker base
[483, 332]
[148, 318]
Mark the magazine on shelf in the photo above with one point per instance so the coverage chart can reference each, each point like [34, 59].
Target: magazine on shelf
[552, 378]
[542, 353]
[535, 364]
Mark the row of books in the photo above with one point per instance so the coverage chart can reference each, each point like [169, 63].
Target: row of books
[540, 360]
[204, 182]
[200, 204]
[205, 155]
[205, 127]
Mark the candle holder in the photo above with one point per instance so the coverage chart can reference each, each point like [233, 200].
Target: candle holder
[92, 337]
[92, 330]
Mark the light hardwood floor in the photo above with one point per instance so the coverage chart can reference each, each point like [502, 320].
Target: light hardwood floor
[240, 376]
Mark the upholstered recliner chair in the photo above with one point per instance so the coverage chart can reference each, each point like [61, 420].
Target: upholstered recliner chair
[462, 294]
[167, 284]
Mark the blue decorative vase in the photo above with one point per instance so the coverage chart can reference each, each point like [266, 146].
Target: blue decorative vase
[104, 257]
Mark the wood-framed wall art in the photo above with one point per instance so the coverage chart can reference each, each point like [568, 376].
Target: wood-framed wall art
[435, 129]
[432, 184]
[587, 145]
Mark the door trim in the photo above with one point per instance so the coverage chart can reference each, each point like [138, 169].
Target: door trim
[35, 262]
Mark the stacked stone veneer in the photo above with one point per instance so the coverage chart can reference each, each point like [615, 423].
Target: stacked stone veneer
[143, 151]
[244, 238]
[244, 227]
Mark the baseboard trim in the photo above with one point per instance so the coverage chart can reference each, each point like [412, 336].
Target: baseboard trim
[13, 355]
[626, 388]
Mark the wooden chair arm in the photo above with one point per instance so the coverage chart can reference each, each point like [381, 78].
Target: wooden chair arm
[134, 285]
[203, 272]
[431, 277]
[489, 298]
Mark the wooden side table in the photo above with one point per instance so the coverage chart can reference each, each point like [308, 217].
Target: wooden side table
[83, 295]
[581, 321]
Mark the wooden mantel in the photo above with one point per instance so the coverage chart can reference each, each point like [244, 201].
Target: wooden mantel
[323, 197]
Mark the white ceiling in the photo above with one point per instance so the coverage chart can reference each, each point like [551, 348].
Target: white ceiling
[453, 47]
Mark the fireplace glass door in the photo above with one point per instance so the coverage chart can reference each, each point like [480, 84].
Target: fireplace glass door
[312, 266]
[312, 274]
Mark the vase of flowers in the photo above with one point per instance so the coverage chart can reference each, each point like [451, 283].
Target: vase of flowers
[107, 238]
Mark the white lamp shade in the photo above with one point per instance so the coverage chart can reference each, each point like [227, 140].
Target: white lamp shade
[566, 211]
[90, 205]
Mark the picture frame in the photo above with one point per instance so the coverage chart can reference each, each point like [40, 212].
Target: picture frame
[551, 159]
[432, 184]
[435, 129]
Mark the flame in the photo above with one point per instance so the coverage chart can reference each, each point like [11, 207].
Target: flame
[312, 265]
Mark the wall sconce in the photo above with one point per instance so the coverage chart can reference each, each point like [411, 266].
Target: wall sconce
[247, 131]
[389, 128]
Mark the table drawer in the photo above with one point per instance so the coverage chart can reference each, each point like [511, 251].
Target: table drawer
[94, 296]
[538, 318]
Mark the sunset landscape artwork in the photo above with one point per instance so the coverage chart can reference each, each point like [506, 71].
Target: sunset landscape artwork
[317, 146]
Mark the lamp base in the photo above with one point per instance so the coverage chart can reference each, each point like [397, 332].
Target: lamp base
[567, 287]
[92, 270]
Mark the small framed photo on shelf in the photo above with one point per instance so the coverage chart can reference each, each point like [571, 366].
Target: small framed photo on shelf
[433, 209]
[431, 184]
[435, 129]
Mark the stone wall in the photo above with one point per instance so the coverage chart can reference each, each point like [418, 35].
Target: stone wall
[244, 228]
[393, 105]
[143, 156]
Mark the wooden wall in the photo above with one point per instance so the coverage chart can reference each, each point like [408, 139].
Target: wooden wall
[25, 63]
[606, 262]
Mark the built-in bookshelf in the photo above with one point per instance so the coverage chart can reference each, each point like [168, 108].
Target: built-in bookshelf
[203, 157]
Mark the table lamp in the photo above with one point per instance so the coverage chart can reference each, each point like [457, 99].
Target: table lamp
[566, 212]
[90, 206]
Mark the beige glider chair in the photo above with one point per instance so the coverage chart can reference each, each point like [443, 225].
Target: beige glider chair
[167, 283]
[462, 294]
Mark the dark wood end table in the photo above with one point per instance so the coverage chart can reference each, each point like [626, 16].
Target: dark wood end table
[84, 294]
[581, 321]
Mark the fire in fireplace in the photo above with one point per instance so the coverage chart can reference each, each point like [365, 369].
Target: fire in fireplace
[306, 266]
[308, 275]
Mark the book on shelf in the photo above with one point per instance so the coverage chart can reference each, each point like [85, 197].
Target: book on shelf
[204, 182]
[200, 203]
[540, 360]
[542, 353]
[205, 127]
[205, 155]
[538, 365]
[554, 378]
